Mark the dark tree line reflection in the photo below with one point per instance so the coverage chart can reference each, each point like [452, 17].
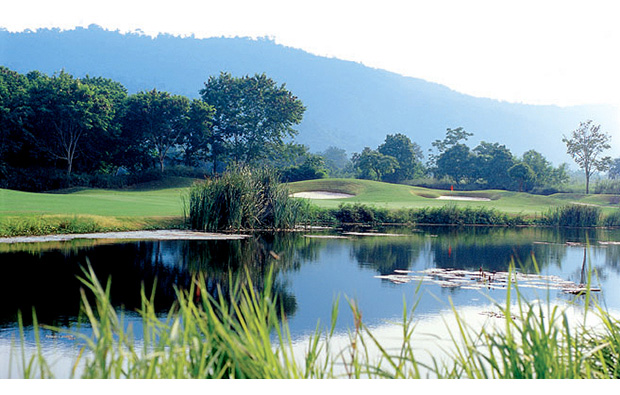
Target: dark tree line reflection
[44, 276]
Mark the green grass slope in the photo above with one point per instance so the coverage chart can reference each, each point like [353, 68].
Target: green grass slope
[150, 206]
[144, 203]
[160, 204]
[396, 196]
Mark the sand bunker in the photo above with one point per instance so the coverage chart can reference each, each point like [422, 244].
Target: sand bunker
[136, 235]
[464, 198]
[321, 195]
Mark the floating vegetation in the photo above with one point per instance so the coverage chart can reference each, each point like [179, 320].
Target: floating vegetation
[325, 237]
[480, 279]
[373, 234]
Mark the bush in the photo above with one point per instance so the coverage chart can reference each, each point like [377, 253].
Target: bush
[607, 186]
[358, 214]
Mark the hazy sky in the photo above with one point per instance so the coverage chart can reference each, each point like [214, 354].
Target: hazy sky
[539, 52]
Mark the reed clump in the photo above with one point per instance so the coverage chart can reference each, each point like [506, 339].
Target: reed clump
[446, 215]
[243, 199]
[573, 215]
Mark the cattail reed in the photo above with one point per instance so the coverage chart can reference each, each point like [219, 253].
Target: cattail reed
[243, 199]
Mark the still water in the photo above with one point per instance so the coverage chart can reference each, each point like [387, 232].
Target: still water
[313, 270]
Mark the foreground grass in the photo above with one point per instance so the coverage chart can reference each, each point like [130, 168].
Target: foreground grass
[241, 335]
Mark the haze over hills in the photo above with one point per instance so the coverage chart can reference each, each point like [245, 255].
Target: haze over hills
[348, 105]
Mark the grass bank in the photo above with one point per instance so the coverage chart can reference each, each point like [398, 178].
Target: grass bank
[160, 205]
[149, 206]
[396, 196]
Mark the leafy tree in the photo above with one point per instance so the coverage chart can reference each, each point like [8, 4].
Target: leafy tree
[521, 173]
[108, 144]
[457, 162]
[453, 137]
[373, 164]
[13, 114]
[336, 161]
[156, 121]
[544, 172]
[312, 168]
[253, 116]
[199, 132]
[290, 154]
[407, 154]
[614, 169]
[68, 116]
[491, 164]
[585, 146]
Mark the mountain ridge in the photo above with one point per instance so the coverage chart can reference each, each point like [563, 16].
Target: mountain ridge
[349, 105]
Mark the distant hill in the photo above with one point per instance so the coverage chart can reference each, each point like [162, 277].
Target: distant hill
[348, 105]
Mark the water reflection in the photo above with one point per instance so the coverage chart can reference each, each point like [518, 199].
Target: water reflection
[311, 273]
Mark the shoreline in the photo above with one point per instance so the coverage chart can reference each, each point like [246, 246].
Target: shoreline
[126, 235]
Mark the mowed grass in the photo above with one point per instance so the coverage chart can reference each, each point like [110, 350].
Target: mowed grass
[160, 205]
[154, 203]
[151, 206]
[395, 196]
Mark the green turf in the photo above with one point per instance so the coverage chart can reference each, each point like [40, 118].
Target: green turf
[156, 204]
[141, 203]
[395, 196]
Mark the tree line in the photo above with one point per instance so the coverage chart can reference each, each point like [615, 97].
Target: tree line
[453, 163]
[59, 131]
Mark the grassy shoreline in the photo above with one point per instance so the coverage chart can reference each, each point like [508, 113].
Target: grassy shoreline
[161, 207]
[79, 224]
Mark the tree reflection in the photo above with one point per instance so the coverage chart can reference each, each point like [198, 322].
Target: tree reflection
[43, 276]
[46, 279]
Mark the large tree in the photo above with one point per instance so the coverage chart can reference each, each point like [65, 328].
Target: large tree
[199, 132]
[586, 146]
[13, 114]
[457, 162]
[407, 154]
[544, 172]
[336, 161]
[68, 116]
[156, 122]
[453, 137]
[521, 173]
[253, 116]
[491, 164]
[614, 169]
[373, 164]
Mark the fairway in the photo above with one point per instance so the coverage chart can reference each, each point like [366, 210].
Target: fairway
[154, 203]
[397, 196]
[160, 206]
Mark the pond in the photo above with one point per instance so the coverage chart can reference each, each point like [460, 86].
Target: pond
[379, 270]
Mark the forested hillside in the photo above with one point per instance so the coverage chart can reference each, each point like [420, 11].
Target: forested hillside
[348, 105]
